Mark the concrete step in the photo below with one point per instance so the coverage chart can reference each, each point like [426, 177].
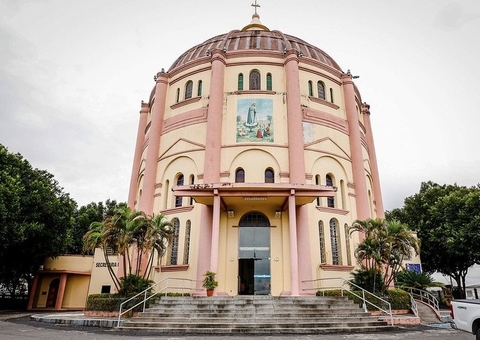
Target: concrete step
[254, 315]
[262, 330]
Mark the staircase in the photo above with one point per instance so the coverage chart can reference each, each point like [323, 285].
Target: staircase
[254, 315]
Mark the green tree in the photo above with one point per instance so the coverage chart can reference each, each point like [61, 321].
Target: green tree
[158, 236]
[84, 217]
[385, 246]
[409, 278]
[36, 218]
[447, 220]
[133, 236]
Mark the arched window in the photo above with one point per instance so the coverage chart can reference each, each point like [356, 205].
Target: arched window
[240, 82]
[199, 89]
[330, 199]
[166, 193]
[269, 82]
[254, 81]
[186, 249]
[240, 176]
[177, 99]
[178, 199]
[335, 242]
[188, 89]
[173, 251]
[192, 181]
[342, 193]
[269, 176]
[321, 242]
[317, 182]
[321, 90]
[331, 95]
[347, 245]
[310, 88]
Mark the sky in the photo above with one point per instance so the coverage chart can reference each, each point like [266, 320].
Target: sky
[73, 75]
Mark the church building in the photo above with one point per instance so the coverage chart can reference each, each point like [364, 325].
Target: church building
[258, 147]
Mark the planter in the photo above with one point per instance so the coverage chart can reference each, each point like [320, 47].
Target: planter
[209, 292]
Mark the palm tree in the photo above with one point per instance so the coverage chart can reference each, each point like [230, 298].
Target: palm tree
[386, 245]
[131, 235]
[159, 235]
[95, 238]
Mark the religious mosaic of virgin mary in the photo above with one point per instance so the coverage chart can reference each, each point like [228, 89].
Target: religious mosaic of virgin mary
[255, 120]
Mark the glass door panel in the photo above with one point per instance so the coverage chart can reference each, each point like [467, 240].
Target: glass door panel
[262, 276]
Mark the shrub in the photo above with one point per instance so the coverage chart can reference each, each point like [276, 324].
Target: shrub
[368, 279]
[410, 278]
[134, 284]
[398, 298]
[104, 302]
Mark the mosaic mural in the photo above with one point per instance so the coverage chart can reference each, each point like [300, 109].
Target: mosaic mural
[255, 120]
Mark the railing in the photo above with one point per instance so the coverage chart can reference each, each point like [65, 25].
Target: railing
[414, 305]
[168, 285]
[342, 288]
[423, 296]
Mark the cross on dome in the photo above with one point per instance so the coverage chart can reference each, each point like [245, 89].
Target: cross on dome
[255, 5]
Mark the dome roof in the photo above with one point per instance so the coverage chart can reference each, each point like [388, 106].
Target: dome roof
[255, 37]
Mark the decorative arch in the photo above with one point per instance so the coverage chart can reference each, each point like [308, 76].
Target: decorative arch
[263, 160]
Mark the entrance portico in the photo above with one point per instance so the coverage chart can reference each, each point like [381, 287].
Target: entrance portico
[276, 201]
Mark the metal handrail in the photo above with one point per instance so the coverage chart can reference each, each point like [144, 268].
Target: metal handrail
[162, 290]
[414, 305]
[423, 296]
[362, 297]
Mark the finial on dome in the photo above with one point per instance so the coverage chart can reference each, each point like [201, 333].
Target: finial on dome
[255, 24]
[256, 5]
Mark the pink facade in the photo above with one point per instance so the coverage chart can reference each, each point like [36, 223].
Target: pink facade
[257, 146]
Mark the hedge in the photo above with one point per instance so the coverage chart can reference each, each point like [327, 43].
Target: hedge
[112, 302]
[399, 299]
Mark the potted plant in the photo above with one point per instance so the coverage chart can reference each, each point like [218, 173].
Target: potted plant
[209, 282]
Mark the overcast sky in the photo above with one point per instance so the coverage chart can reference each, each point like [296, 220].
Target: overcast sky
[73, 74]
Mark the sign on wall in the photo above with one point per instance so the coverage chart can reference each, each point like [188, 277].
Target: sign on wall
[255, 120]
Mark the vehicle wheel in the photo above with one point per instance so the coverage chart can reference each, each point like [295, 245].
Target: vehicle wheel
[477, 335]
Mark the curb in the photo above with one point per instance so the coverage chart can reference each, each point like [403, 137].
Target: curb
[76, 320]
